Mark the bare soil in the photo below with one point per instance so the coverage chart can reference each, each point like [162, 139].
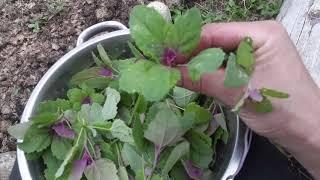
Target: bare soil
[26, 55]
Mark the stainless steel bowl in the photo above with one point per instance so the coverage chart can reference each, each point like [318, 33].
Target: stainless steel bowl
[54, 84]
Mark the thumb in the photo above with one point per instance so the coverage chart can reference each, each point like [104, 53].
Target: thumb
[211, 84]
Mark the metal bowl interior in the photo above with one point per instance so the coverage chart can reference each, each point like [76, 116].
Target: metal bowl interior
[55, 83]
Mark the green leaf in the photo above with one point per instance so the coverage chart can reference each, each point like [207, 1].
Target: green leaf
[183, 97]
[135, 51]
[141, 105]
[123, 174]
[125, 115]
[274, 93]
[235, 75]
[102, 169]
[35, 139]
[152, 80]
[221, 121]
[53, 106]
[60, 147]
[207, 61]
[245, 56]
[76, 95]
[164, 129]
[140, 175]
[121, 131]
[19, 130]
[177, 153]
[148, 29]
[178, 172]
[45, 119]
[69, 156]
[104, 56]
[96, 60]
[33, 156]
[201, 148]
[265, 106]
[185, 39]
[52, 165]
[110, 107]
[201, 115]
[98, 98]
[129, 153]
[107, 152]
[91, 77]
[138, 134]
[91, 113]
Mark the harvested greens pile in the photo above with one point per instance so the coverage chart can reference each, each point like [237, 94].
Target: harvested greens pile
[125, 119]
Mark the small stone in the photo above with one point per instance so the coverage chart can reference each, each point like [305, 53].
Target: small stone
[55, 46]
[101, 13]
[5, 109]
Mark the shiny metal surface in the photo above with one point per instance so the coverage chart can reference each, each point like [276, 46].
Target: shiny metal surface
[55, 83]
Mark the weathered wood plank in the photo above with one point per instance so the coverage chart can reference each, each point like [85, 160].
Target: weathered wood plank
[302, 21]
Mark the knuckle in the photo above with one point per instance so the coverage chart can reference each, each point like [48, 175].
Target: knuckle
[276, 28]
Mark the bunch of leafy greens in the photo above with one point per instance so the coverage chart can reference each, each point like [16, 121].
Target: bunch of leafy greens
[126, 118]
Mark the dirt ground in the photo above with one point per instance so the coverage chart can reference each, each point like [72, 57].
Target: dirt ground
[26, 55]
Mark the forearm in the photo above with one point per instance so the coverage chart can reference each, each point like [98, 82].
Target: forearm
[302, 136]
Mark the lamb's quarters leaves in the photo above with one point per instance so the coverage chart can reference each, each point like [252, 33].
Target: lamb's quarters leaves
[207, 61]
[53, 106]
[91, 113]
[121, 131]
[51, 163]
[76, 95]
[265, 106]
[140, 105]
[19, 130]
[154, 109]
[201, 148]
[92, 77]
[193, 171]
[122, 173]
[101, 169]
[201, 115]
[274, 93]
[130, 154]
[148, 29]
[178, 172]
[35, 139]
[220, 134]
[104, 56]
[153, 81]
[33, 156]
[182, 38]
[183, 97]
[107, 152]
[124, 63]
[177, 153]
[156, 177]
[97, 98]
[45, 119]
[101, 126]
[135, 51]
[110, 107]
[138, 134]
[235, 74]
[71, 153]
[140, 175]
[124, 114]
[220, 118]
[60, 147]
[164, 129]
[245, 55]
[97, 60]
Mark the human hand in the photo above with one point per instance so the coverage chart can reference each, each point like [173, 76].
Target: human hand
[294, 122]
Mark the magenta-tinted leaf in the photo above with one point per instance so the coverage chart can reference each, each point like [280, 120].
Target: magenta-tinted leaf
[169, 57]
[62, 130]
[105, 72]
[87, 100]
[79, 166]
[255, 95]
[213, 126]
[193, 171]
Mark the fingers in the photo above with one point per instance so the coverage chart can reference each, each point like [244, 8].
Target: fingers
[211, 84]
[228, 35]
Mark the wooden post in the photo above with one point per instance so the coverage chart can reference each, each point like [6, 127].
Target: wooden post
[301, 18]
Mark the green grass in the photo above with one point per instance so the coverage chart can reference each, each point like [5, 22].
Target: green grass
[233, 10]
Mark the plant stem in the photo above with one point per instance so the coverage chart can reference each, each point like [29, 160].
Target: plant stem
[157, 151]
